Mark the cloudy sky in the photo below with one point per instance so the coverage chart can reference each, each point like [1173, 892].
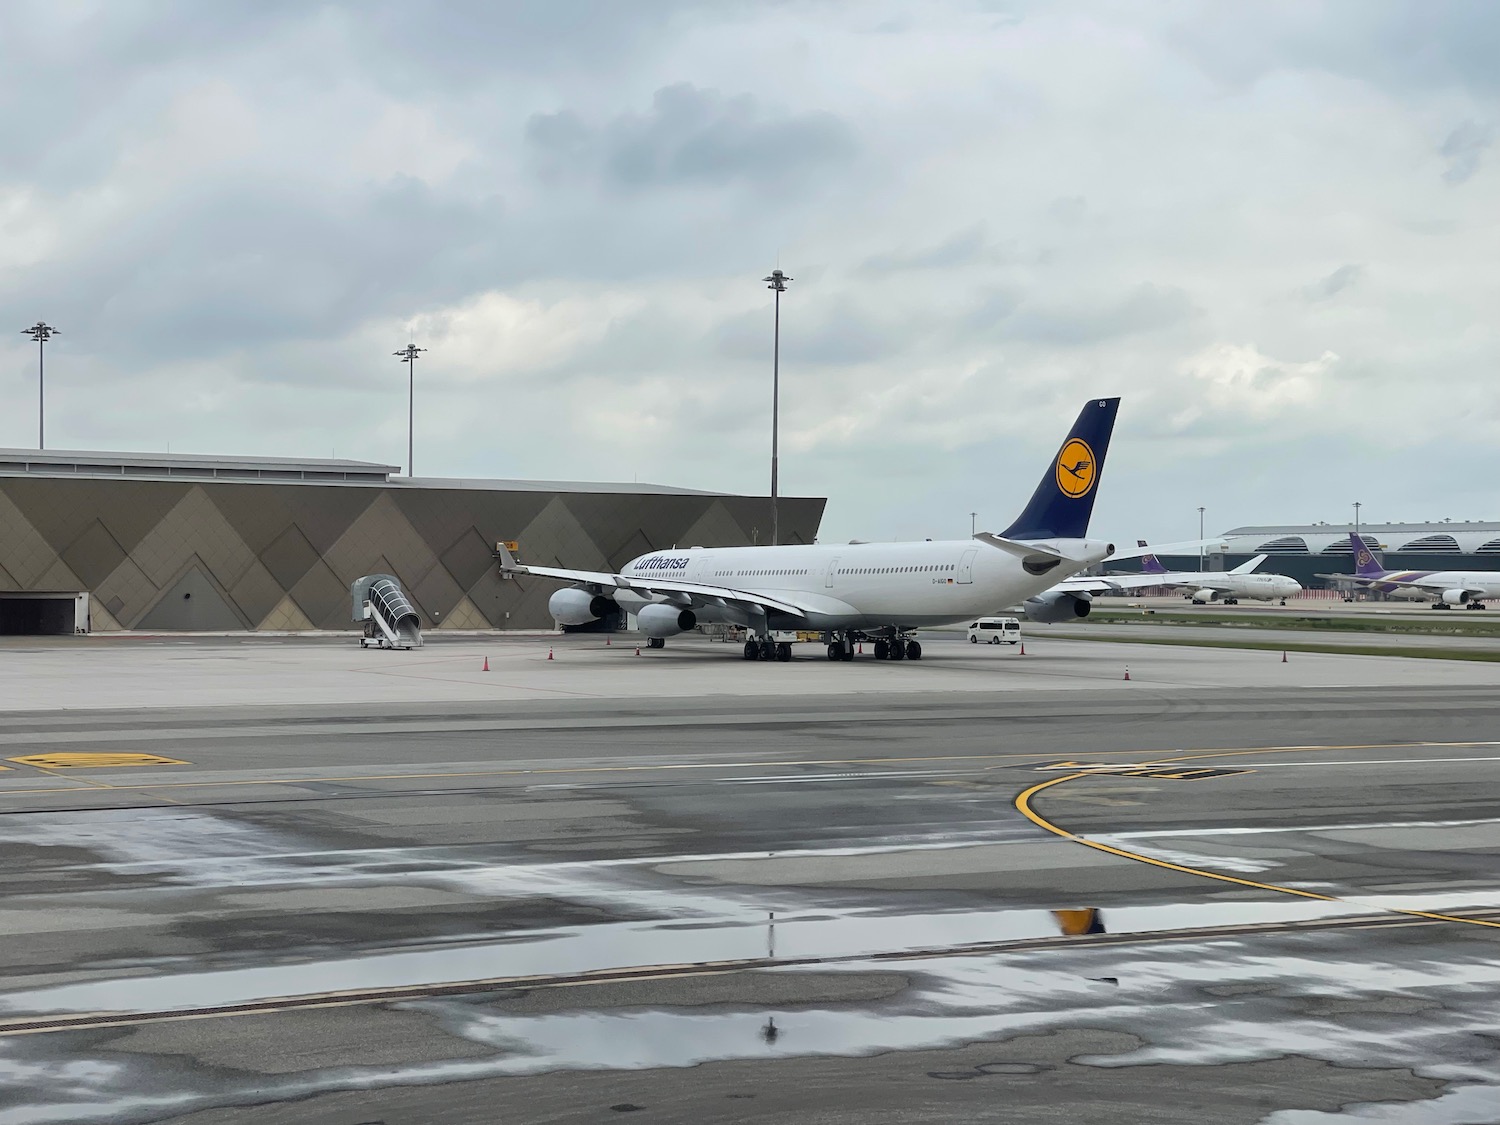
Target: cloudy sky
[1271, 227]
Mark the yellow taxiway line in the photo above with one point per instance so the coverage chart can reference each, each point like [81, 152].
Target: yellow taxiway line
[1024, 806]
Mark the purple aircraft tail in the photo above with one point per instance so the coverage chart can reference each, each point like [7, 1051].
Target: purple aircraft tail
[1150, 564]
[1367, 560]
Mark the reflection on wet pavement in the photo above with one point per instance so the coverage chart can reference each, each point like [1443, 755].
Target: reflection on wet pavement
[654, 912]
[1197, 1003]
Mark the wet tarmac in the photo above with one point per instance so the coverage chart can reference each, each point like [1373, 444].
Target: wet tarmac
[1281, 903]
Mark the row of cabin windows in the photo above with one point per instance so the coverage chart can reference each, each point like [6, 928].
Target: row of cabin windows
[853, 570]
[897, 569]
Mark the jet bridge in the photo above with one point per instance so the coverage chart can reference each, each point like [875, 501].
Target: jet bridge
[389, 619]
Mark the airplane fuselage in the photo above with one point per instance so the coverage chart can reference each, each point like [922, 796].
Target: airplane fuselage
[1256, 587]
[1481, 584]
[865, 586]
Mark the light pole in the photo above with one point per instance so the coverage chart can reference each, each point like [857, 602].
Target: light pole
[777, 283]
[1357, 537]
[973, 526]
[408, 355]
[1201, 563]
[41, 332]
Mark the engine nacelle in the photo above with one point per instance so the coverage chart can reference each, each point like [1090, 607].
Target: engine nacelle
[1205, 595]
[658, 620]
[578, 607]
[1456, 597]
[1058, 606]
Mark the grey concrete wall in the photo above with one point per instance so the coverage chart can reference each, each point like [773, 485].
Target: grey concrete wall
[183, 555]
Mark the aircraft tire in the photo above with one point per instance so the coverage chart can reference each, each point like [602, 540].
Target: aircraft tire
[752, 650]
[883, 649]
[835, 651]
[898, 650]
[913, 651]
[784, 651]
[846, 652]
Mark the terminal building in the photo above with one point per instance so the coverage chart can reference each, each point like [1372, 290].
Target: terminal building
[1304, 551]
[94, 542]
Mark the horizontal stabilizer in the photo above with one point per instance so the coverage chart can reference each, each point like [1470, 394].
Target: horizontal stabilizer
[1021, 550]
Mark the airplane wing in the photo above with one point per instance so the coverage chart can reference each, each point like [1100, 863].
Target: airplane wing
[683, 593]
[1413, 584]
[1120, 583]
[1251, 566]
[1189, 547]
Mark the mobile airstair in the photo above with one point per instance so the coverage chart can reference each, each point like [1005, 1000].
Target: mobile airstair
[390, 620]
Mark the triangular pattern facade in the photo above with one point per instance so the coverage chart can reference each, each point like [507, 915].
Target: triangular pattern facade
[281, 556]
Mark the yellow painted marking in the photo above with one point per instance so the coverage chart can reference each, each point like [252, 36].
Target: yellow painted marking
[1127, 769]
[1023, 805]
[547, 771]
[74, 761]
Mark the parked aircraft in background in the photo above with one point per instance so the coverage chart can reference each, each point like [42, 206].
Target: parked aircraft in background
[1445, 588]
[1224, 586]
[863, 591]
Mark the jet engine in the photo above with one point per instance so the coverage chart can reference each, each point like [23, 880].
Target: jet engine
[658, 620]
[1456, 597]
[578, 607]
[1058, 606]
[1201, 596]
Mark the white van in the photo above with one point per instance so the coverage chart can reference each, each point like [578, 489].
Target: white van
[995, 631]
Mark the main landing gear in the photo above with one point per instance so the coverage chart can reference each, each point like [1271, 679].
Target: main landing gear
[763, 648]
[840, 647]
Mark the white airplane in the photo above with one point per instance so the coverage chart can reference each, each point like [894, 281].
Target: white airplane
[1445, 588]
[1224, 586]
[861, 591]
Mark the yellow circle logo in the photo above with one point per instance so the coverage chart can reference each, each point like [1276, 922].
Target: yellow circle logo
[1075, 468]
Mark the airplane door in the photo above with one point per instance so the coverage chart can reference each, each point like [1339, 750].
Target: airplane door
[966, 567]
[833, 567]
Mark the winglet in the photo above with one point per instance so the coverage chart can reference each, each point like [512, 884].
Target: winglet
[508, 563]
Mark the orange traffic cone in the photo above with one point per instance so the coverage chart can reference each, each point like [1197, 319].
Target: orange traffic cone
[637, 650]
[1283, 656]
[861, 648]
[549, 652]
[486, 667]
[1127, 671]
[1023, 648]
[606, 640]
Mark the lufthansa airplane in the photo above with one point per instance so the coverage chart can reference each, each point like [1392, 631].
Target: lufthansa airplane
[852, 592]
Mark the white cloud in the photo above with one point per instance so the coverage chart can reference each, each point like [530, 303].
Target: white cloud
[1270, 230]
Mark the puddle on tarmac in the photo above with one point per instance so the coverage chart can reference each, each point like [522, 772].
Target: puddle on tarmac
[684, 922]
[704, 927]
[1198, 1003]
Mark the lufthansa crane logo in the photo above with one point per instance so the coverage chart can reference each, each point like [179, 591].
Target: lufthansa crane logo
[1076, 469]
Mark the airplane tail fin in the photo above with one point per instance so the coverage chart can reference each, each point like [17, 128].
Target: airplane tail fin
[1368, 562]
[1063, 501]
[1150, 564]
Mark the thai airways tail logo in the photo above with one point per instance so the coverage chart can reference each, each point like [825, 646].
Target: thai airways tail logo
[1076, 468]
[1364, 558]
